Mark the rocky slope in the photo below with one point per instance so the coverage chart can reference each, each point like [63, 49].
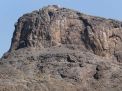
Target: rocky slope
[59, 49]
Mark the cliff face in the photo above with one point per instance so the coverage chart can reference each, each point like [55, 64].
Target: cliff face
[59, 49]
[54, 26]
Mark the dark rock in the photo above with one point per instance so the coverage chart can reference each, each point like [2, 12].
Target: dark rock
[118, 55]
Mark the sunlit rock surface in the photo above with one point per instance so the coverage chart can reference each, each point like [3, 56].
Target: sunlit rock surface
[59, 49]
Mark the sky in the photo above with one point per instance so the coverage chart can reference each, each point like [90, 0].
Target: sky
[11, 10]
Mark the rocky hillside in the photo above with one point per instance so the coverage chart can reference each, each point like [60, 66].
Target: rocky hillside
[59, 49]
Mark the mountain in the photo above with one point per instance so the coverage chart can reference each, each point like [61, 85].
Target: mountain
[60, 49]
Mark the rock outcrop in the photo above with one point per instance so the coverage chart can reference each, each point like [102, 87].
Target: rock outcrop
[53, 26]
[59, 49]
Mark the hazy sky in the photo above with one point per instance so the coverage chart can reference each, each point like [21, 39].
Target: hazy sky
[11, 10]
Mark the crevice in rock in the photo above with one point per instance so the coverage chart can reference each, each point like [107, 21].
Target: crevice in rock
[97, 75]
[89, 44]
[62, 76]
[70, 58]
[118, 57]
[50, 14]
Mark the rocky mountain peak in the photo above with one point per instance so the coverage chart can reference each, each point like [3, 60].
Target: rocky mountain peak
[55, 26]
[43, 28]
[60, 49]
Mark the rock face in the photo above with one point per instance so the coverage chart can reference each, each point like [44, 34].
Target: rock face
[53, 26]
[59, 49]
